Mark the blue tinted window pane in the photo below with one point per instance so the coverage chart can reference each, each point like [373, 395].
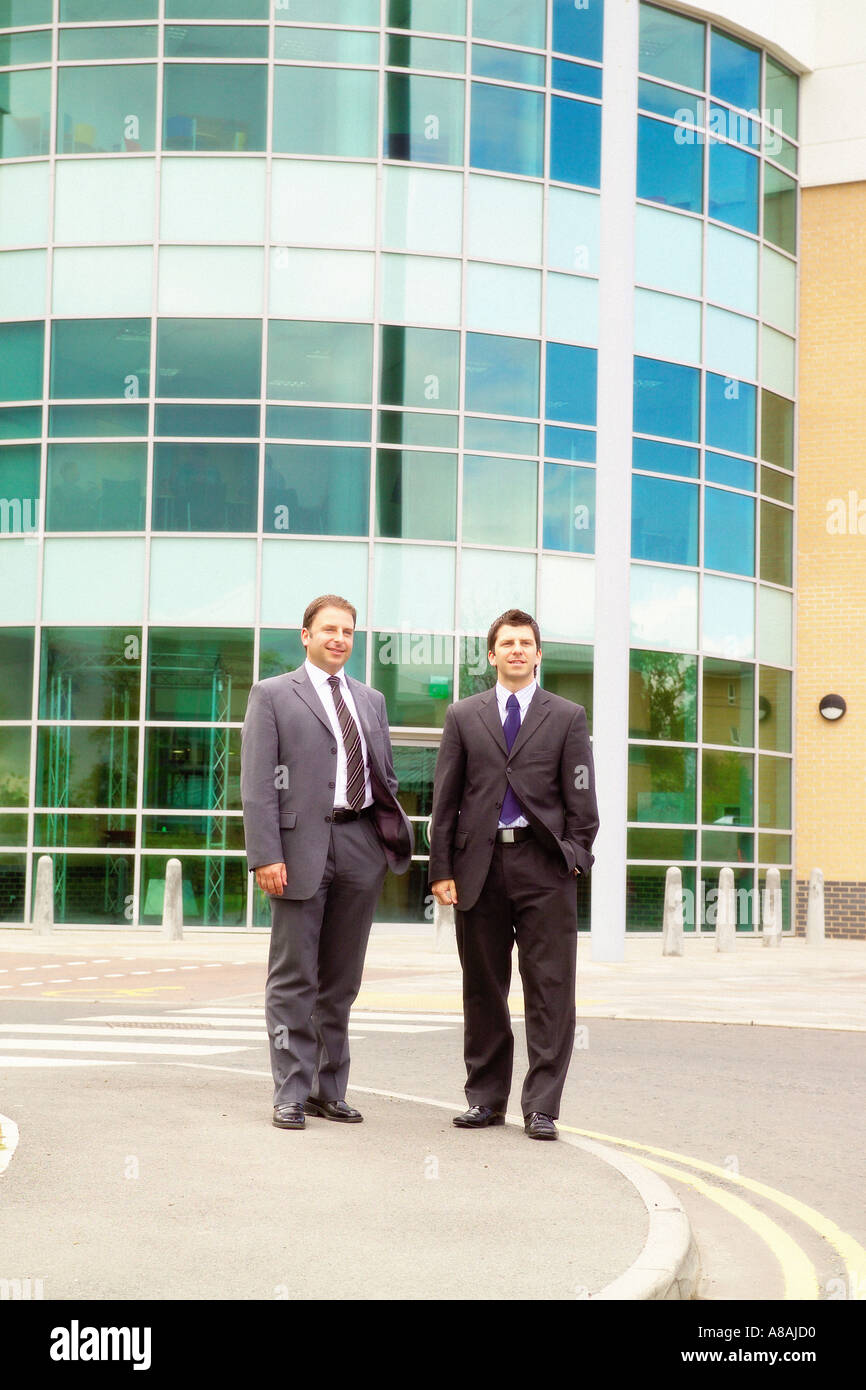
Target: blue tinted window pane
[500, 436]
[734, 125]
[729, 532]
[575, 142]
[507, 65]
[501, 375]
[215, 106]
[578, 78]
[21, 349]
[656, 457]
[734, 187]
[664, 521]
[325, 111]
[100, 357]
[569, 508]
[507, 130]
[666, 399]
[208, 421]
[572, 375]
[205, 487]
[320, 490]
[98, 421]
[669, 170]
[735, 71]
[569, 444]
[733, 472]
[209, 357]
[423, 118]
[731, 414]
[670, 101]
[306, 422]
[578, 30]
[320, 361]
[520, 21]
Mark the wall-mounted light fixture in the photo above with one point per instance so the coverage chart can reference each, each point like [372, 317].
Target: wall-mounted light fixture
[832, 707]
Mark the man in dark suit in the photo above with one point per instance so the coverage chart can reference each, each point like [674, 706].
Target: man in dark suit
[322, 824]
[514, 818]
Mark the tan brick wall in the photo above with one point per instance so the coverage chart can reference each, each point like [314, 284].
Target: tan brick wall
[831, 644]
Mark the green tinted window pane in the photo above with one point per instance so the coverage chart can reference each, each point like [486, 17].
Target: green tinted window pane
[566, 670]
[327, 46]
[662, 700]
[93, 889]
[747, 909]
[415, 673]
[424, 119]
[193, 768]
[521, 21]
[90, 673]
[415, 766]
[774, 849]
[96, 487]
[777, 532]
[16, 672]
[777, 430]
[671, 47]
[316, 489]
[15, 12]
[577, 445]
[774, 798]
[100, 357]
[475, 672]
[728, 846]
[126, 42]
[18, 49]
[216, 41]
[80, 766]
[192, 832]
[427, 16]
[502, 375]
[235, 421]
[719, 468]
[325, 111]
[729, 701]
[507, 133]
[774, 710]
[214, 888]
[436, 55]
[14, 766]
[205, 487]
[219, 9]
[780, 97]
[214, 107]
[420, 366]
[69, 421]
[485, 482]
[320, 361]
[199, 673]
[661, 784]
[671, 846]
[106, 109]
[778, 485]
[569, 508]
[21, 349]
[399, 427]
[406, 898]
[209, 357]
[306, 422]
[416, 495]
[645, 897]
[670, 101]
[780, 150]
[90, 832]
[25, 113]
[20, 422]
[780, 209]
[85, 11]
[500, 436]
[13, 831]
[282, 650]
[728, 785]
[508, 66]
[19, 489]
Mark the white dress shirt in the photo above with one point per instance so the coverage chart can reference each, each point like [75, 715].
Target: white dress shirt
[523, 698]
[320, 680]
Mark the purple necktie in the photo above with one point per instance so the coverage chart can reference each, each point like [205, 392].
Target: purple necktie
[511, 807]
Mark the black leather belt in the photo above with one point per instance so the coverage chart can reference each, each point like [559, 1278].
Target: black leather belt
[512, 834]
[341, 816]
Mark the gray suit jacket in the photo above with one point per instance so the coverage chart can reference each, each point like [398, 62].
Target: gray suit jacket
[550, 770]
[288, 772]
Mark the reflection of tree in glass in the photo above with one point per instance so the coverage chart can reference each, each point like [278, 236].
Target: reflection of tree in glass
[668, 695]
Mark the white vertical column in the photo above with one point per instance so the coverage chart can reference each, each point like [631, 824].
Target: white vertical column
[613, 503]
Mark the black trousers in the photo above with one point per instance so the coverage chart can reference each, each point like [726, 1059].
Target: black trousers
[528, 897]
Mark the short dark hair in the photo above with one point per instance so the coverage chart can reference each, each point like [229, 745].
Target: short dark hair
[327, 601]
[513, 617]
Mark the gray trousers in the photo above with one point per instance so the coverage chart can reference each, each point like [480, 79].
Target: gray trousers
[315, 964]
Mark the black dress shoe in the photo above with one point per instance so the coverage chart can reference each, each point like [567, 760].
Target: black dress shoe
[540, 1126]
[333, 1110]
[290, 1115]
[479, 1117]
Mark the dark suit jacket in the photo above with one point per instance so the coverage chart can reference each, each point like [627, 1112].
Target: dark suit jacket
[288, 772]
[550, 770]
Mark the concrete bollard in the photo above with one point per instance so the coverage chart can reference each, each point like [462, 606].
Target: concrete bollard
[771, 909]
[172, 908]
[672, 922]
[43, 904]
[815, 909]
[726, 912]
[444, 939]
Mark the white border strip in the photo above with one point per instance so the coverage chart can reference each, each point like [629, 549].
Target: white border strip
[8, 1141]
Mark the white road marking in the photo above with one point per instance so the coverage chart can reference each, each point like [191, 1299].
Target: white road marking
[114, 1045]
[62, 1062]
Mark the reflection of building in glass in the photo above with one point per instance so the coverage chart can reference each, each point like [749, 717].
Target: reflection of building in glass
[350, 295]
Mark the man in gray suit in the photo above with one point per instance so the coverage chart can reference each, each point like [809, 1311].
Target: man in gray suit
[322, 824]
[514, 818]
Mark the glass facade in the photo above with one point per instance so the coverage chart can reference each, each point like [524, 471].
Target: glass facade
[306, 298]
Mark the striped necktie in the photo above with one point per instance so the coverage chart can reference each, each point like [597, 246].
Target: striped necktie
[355, 784]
